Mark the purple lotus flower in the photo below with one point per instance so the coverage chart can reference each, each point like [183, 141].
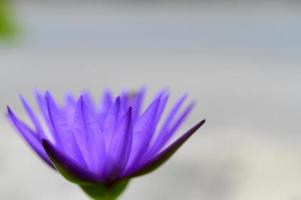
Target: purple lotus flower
[104, 146]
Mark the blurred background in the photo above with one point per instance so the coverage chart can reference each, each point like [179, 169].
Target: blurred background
[240, 60]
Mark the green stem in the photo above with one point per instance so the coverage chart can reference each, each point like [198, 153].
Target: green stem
[99, 191]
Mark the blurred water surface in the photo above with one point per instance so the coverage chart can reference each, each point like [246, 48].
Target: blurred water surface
[239, 61]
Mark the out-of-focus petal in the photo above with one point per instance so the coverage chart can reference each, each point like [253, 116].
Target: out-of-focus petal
[43, 107]
[33, 118]
[69, 100]
[29, 136]
[55, 119]
[137, 103]
[89, 101]
[145, 127]
[69, 105]
[175, 126]
[172, 114]
[170, 126]
[106, 101]
[159, 159]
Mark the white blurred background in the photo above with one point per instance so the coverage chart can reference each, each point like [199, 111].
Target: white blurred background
[240, 60]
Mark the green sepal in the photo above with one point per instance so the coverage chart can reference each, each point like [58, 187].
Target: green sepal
[70, 171]
[99, 191]
[68, 175]
[62, 168]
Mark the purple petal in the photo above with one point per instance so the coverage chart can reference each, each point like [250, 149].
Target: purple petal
[43, 106]
[178, 123]
[163, 102]
[172, 114]
[111, 120]
[69, 100]
[89, 100]
[153, 163]
[29, 136]
[145, 127]
[62, 132]
[69, 105]
[125, 99]
[88, 136]
[106, 101]
[133, 99]
[105, 105]
[137, 103]
[120, 147]
[67, 166]
[34, 119]
[55, 119]
[170, 127]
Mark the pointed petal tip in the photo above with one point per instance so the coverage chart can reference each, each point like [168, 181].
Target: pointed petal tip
[201, 122]
[8, 109]
[130, 110]
[10, 114]
[117, 99]
[47, 93]
[194, 128]
[143, 88]
[38, 93]
[24, 101]
[162, 157]
[36, 90]
[193, 103]
[47, 146]
[21, 97]
[45, 143]
[80, 102]
[81, 99]
[50, 101]
[48, 96]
